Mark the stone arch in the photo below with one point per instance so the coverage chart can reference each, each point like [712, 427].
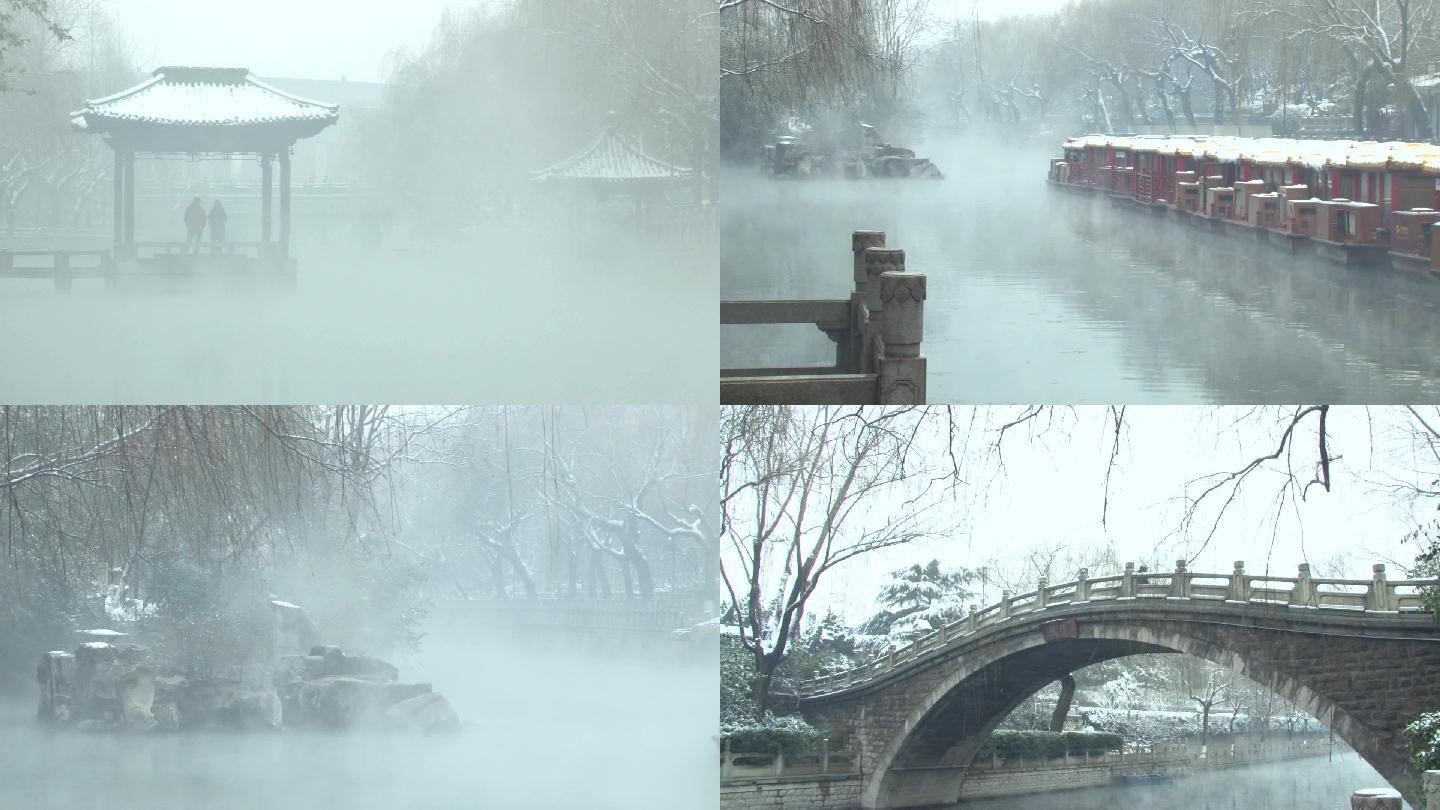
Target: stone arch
[924, 761]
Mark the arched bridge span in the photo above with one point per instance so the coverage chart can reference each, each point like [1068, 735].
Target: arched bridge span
[1359, 655]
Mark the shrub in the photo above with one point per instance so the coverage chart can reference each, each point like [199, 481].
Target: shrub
[1048, 744]
[1422, 738]
[788, 735]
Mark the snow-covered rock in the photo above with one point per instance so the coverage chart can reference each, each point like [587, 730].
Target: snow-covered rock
[430, 712]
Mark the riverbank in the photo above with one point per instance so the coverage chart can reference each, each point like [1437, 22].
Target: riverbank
[997, 778]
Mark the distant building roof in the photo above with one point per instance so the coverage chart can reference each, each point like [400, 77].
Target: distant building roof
[610, 158]
[205, 109]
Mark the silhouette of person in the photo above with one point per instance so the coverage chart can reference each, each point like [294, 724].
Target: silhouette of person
[217, 222]
[194, 223]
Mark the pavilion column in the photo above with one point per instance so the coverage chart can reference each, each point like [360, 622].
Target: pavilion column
[285, 202]
[118, 209]
[130, 201]
[266, 181]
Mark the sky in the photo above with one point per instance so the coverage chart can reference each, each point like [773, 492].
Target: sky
[312, 39]
[1052, 493]
[992, 9]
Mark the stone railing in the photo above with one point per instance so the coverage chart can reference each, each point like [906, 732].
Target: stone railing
[826, 762]
[877, 334]
[750, 765]
[1376, 595]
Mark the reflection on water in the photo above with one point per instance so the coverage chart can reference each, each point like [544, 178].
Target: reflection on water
[547, 728]
[1306, 784]
[1038, 296]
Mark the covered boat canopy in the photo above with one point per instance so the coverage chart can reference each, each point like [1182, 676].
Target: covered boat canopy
[1314, 154]
[612, 163]
[204, 109]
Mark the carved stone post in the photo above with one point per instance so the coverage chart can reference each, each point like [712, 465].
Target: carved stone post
[1239, 584]
[1040, 593]
[1432, 789]
[890, 658]
[902, 368]
[1082, 587]
[860, 241]
[1180, 581]
[1375, 799]
[878, 260]
[1127, 582]
[972, 622]
[1378, 596]
[1304, 593]
[1004, 604]
[944, 633]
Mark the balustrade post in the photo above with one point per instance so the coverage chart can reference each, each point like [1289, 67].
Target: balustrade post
[1180, 581]
[62, 271]
[1082, 586]
[972, 622]
[902, 367]
[878, 260]
[1432, 789]
[724, 758]
[890, 658]
[1304, 593]
[859, 346]
[1127, 581]
[1004, 604]
[825, 755]
[944, 632]
[1375, 799]
[1040, 593]
[780, 762]
[1377, 597]
[1239, 584]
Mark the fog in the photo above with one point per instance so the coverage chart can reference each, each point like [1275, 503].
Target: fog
[358, 607]
[433, 260]
[1318, 783]
[1036, 296]
[544, 727]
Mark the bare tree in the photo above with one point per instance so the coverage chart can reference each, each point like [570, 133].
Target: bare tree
[804, 491]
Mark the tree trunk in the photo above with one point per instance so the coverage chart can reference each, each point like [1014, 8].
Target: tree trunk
[1062, 706]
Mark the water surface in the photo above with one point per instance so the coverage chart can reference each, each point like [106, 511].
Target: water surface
[1038, 296]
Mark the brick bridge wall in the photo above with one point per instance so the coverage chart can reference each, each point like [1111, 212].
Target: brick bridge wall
[916, 729]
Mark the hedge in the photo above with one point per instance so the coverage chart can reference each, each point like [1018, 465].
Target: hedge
[1048, 744]
[790, 735]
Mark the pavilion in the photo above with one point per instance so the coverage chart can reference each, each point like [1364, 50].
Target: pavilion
[612, 166]
[204, 110]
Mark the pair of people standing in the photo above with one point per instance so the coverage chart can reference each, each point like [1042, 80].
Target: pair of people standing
[196, 219]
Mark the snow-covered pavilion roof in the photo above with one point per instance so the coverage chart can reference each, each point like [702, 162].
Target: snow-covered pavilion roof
[1315, 154]
[611, 158]
[205, 109]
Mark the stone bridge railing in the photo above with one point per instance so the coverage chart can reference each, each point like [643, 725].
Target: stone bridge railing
[1376, 595]
[877, 332]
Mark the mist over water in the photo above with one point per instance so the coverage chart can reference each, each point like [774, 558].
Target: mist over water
[1038, 296]
[548, 723]
[1305, 784]
[534, 312]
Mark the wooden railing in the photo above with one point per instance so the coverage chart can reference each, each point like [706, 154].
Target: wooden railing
[877, 334]
[1376, 596]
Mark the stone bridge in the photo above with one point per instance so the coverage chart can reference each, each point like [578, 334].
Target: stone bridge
[1359, 655]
